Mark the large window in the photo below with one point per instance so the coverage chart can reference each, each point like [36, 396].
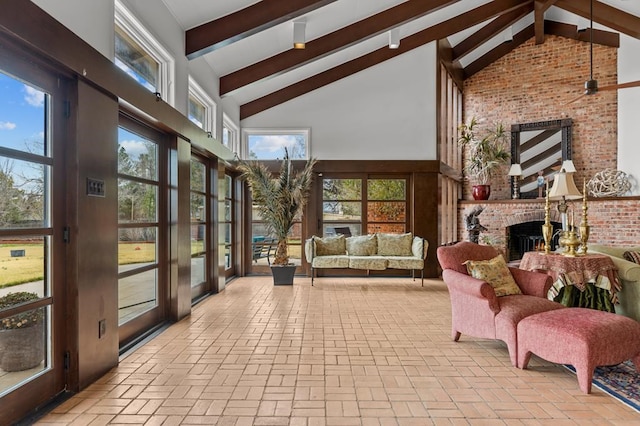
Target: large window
[364, 205]
[269, 144]
[141, 56]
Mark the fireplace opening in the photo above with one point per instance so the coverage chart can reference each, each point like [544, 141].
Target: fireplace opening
[527, 236]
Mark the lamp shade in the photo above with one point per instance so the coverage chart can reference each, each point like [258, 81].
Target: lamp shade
[564, 186]
[568, 166]
[515, 170]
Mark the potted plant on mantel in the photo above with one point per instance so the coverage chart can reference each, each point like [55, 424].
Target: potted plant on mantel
[485, 155]
[279, 199]
[21, 335]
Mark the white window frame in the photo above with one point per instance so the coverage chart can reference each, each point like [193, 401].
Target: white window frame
[134, 28]
[235, 134]
[305, 132]
[197, 92]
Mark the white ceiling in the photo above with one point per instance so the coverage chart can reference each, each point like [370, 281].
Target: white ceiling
[235, 56]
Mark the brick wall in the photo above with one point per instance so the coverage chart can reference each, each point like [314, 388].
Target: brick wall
[534, 83]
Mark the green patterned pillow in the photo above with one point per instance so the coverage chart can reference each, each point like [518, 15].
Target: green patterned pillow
[362, 245]
[395, 244]
[496, 273]
[330, 246]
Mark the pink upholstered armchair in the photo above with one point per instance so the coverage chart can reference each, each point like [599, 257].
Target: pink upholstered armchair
[475, 308]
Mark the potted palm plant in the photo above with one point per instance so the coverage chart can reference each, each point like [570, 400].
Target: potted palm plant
[279, 199]
[21, 335]
[486, 154]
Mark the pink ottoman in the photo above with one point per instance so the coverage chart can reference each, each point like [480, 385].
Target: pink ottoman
[584, 338]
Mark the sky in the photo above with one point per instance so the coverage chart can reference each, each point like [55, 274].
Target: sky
[272, 146]
[21, 114]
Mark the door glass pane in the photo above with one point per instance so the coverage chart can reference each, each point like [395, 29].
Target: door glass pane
[22, 265]
[379, 211]
[23, 115]
[137, 156]
[136, 201]
[197, 207]
[137, 247]
[198, 173]
[342, 189]
[136, 295]
[22, 185]
[197, 254]
[341, 210]
[386, 189]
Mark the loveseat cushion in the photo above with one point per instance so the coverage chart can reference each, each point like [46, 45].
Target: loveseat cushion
[362, 245]
[330, 246]
[395, 244]
[338, 261]
[495, 272]
[405, 262]
[374, 263]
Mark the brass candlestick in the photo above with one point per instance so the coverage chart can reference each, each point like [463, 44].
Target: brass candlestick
[547, 229]
[584, 225]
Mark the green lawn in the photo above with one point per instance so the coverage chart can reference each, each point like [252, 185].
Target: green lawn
[25, 269]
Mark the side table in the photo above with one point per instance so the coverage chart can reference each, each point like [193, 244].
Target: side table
[589, 281]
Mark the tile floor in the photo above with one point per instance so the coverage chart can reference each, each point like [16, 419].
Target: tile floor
[346, 352]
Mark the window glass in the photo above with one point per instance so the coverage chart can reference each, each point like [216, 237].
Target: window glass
[135, 61]
[271, 144]
[197, 112]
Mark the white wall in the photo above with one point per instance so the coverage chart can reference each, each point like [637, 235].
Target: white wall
[91, 20]
[387, 112]
[629, 110]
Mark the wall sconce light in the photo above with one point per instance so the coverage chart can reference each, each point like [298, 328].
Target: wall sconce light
[299, 28]
[516, 171]
[394, 38]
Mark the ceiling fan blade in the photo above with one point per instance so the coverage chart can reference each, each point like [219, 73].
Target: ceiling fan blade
[621, 85]
[576, 99]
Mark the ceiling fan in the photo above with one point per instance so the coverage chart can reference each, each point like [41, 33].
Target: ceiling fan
[591, 85]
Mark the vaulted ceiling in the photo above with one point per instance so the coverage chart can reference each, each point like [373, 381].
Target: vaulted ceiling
[249, 44]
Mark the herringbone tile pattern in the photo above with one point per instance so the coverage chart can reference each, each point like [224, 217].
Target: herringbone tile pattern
[346, 352]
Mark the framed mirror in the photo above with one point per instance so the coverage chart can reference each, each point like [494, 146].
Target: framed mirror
[539, 148]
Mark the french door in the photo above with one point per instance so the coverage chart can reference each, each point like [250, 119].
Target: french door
[142, 230]
[33, 339]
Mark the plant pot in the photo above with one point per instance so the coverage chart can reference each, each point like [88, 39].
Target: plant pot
[481, 192]
[21, 348]
[283, 274]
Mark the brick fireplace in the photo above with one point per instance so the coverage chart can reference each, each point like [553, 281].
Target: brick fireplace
[613, 221]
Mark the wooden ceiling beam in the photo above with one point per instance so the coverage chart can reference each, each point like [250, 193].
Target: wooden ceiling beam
[436, 32]
[238, 25]
[604, 14]
[601, 37]
[499, 51]
[490, 30]
[329, 43]
[540, 8]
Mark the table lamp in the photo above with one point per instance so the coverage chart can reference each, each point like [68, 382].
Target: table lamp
[516, 171]
[563, 189]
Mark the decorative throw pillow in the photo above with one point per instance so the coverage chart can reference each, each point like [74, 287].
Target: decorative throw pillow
[362, 245]
[496, 273]
[632, 256]
[395, 244]
[330, 246]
